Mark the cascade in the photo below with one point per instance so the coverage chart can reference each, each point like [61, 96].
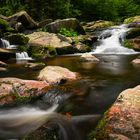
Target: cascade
[111, 41]
[19, 55]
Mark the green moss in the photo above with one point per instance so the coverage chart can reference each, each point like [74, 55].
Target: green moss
[127, 44]
[98, 132]
[22, 48]
[17, 39]
[129, 20]
[5, 26]
[43, 51]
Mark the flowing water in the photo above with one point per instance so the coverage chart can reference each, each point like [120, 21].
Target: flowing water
[19, 55]
[94, 93]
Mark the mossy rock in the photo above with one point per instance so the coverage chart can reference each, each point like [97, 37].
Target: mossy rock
[17, 39]
[132, 19]
[135, 32]
[99, 132]
[127, 44]
[42, 51]
[22, 48]
[4, 26]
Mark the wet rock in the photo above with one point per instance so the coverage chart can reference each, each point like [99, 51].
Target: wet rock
[72, 23]
[56, 75]
[136, 61]
[6, 54]
[13, 90]
[35, 66]
[45, 22]
[23, 18]
[2, 64]
[89, 57]
[133, 43]
[3, 69]
[122, 120]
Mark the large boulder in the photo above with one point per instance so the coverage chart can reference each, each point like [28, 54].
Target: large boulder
[14, 90]
[56, 74]
[122, 120]
[24, 18]
[44, 44]
[89, 57]
[70, 23]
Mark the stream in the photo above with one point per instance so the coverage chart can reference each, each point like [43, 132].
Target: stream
[100, 83]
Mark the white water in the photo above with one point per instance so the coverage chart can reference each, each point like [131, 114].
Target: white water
[16, 123]
[19, 55]
[6, 44]
[111, 40]
[22, 56]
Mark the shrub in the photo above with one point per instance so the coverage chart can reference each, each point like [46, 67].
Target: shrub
[68, 32]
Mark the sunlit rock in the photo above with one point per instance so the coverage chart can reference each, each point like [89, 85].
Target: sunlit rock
[56, 74]
[89, 57]
[122, 120]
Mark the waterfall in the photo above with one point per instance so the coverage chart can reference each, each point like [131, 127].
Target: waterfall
[19, 55]
[5, 44]
[22, 56]
[111, 41]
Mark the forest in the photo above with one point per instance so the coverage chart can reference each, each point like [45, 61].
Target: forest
[85, 10]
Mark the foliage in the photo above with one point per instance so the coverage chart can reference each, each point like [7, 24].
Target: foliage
[115, 10]
[68, 32]
[127, 44]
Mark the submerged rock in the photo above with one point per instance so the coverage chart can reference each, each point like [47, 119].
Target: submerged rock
[89, 57]
[56, 75]
[122, 121]
[35, 66]
[13, 90]
[2, 64]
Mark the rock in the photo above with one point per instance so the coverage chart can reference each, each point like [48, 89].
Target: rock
[86, 39]
[89, 57]
[2, 69]
[17, 39]
[122, 119]
[24, 18]
[70, 23]
[45, 44]
[45, 38]
[136, 61]
[91, 26]
[133, 43]
[82, 48]
[134, 25]
[133, 33]
[35, 66]
[2, 64]
[56, 75]
[45, 22]
[13, 90]
[135, 19]
[6, 54]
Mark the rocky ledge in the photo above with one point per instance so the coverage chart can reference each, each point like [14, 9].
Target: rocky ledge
[122, 120]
